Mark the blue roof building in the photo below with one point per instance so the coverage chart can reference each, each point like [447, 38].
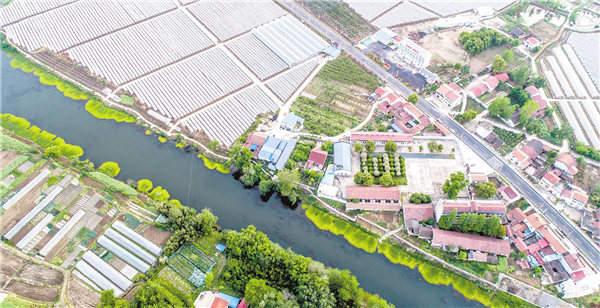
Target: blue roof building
[290, 121]
[332, 52]
[277, 151]
[233, 302]
[342, 158]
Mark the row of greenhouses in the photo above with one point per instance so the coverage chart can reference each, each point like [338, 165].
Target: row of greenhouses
[18, 10]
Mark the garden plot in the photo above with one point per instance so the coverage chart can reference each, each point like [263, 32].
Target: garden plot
[340, 17]
[68, 26]
[451, 7]
[226, 120]
[135, 51]
[287, 83]
[10, 234]
[34, 292]
[18, 10]
[80, 295]
[10, 263]
[586, 46]
[404, 13]
[369, 9]
[263, 62]
[39, 274]
[290, 40]
[189, 85]
[227, 20]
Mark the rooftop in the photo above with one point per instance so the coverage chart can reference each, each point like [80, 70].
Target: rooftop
[492, 81]
[478, 177]
[553, 239]
[574, 262]
[291, 120]
[373, 206]
[567, 159]
[380, 136]
[469, 241]
[502, 76]
[530, 151]
[342, 156]
[372, 193]
[318, 156]
[551, 177]
[519, 155]
[418, 212]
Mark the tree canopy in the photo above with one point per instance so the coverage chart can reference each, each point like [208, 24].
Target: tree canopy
[501, 107]
[418, 198]
[485, 190]
[498, 64]
[327, 146]
[144, 185]
[528, 108]
[391, 146]
[358, 147]
[413, 98]
[482, 39]
[468, 116]
[370, 146]
[110, 168]
[455, 184]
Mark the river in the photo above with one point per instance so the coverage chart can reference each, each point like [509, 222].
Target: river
[188, 180]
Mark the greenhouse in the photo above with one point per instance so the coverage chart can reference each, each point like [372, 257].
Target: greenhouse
[35, 231]
[263, 62]
[107, 270]
[62, 232]
[589, 84]
[18, 10]
[569, 71]
[97, 278]
[560, 76]
[123, 254]
[138, 238]
[287, 83]
[25, 189]
[10, 234]
[131, 246]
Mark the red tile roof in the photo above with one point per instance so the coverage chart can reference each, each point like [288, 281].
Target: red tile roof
[372, 192]
[579, 196]
[551, 177]
[453, 96]
[532, 90]
[373, 206]
[567, 159]
[478, 90]
[533, 41]
[381, 91]
[418, 212]
[256, 138]
[318, 156]
[454, 86]
[413, 110]
[219, 303]
[442, 129]
[502, 76]
[520, 244]
[478, 177]
[519, 155]
[242, 304]
[480, 256]
[542, 104]
[469, 241]
[380, 136]
[519, 215]
[530, 151]
[538, 257]
[492, 81]
[510, 193]
[553, 239]
[392, 97]
[535, 221]
[444, 89]
[574, 262]
[578, 275]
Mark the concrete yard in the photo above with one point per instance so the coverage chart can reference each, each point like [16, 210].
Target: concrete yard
[428, 175]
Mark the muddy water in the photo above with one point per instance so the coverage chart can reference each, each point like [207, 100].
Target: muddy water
[186, 178]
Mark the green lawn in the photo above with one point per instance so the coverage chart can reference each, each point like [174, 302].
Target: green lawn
[176, 280]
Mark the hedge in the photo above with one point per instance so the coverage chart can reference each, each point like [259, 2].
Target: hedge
[115, 184]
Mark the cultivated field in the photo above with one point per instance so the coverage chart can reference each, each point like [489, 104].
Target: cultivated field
[339, 16]
[81, 295]
[39, 274]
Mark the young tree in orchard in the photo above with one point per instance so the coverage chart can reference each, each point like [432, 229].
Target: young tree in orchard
[413, 98]
[370, 146]
[110, 168]
[468, 116]
[144, 185]
[498, 65]
[485, 190]
[455, 184]
[358, 147]
[501, 107]
[391, 147]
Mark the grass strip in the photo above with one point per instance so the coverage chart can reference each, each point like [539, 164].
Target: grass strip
[214, 165]
[338, 226]
[100, 111]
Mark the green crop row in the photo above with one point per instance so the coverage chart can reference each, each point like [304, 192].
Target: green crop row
[115, 184]
[12, 166]
[11, 144]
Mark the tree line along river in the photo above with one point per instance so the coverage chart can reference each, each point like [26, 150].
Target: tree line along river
[188, 180]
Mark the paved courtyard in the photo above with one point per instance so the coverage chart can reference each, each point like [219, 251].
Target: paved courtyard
[428, 175]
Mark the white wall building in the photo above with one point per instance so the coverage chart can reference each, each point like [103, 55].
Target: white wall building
[413, 54]
[384, 35]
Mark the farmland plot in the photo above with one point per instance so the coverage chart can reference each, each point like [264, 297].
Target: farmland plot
[227, 20]
[186, 86]
[225, 121]
[50, 29]
[339, 16]
[140, 49]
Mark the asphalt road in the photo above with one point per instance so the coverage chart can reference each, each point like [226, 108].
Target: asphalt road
[575, 234]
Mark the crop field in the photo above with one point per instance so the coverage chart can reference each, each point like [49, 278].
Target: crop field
[176, 279]
[39, 274]
[197, 257]
[184, 267]
[80, 295]
[339, 16]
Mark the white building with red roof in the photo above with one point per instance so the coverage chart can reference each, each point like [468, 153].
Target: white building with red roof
[381, 137]
[509, 194]
[449, 93]
[418, 212]
[316, 159]
[373, 198]
[449, 239]
[532, 43]
[519, 158]
[550, 179]
[574, 198]
[477, 177]
[491, 83]
[566, 163]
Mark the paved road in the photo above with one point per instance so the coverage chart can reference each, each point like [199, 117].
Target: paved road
[579, 240]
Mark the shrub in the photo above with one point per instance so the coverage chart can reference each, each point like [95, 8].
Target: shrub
[110, 168]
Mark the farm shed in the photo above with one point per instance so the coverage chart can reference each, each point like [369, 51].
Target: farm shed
[138, 238]
[32, 213]
[342, 158]
[290, 39]
[59, 30]
[25, 189]
[107, 270]
[227, 20]
[131, 246]
[97, 278]
[112, 58]
[123, 254]
[63, 231]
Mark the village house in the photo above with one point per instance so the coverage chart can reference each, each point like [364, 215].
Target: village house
[342, 158]
[449, 93]
[550, 179]
[277, 151]
[536, 96]
[566, 163]
[255, 141]
[413, 215]
[513, 120]
[574, 198]
[573, 265]
[531, 43]
[316, 159]
[430, 77]
[487, 207]
[590, 222]
[509, 194]
[373, 198]
[477, 177]
[384, 36]
[453, 241]
[519, 158]
[292, 122]
[380, 138]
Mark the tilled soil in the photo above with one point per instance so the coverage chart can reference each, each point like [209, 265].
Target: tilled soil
[80, 295]
[31, 291]
[156, 236]
[40, 274]
[9, 263]
[7, 157]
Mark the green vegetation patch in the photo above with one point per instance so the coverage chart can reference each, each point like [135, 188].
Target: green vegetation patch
[182, 284]
[131, 221]
[397, 255]
[503, 264]
[340, 17]
[127, 100]
[12, 301]
[115, 184]
[98, 110]
[162, 139]
[338, 226]
[347, 71]
[213, 165]
[11, 144]
[323, 118]
[5, 190]
[12, 166]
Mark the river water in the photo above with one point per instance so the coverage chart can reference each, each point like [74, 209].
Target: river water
[188, 180]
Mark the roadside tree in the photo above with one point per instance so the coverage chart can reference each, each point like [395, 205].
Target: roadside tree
[413, 98]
